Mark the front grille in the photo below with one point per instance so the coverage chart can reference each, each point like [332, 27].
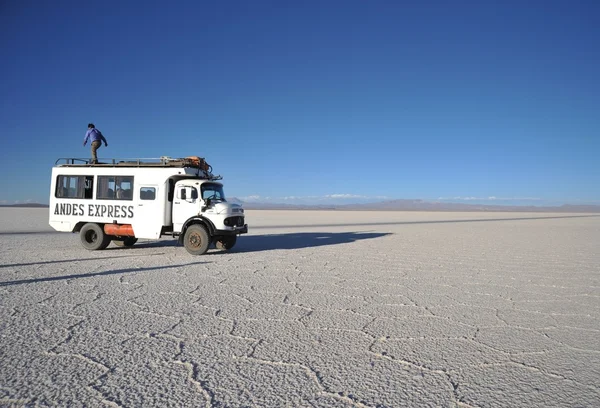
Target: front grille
[234, 221]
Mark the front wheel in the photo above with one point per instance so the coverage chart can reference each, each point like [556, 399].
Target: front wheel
[93, 237]
[196, 240]
[226, 242]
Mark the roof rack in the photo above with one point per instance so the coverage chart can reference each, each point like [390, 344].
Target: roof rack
[163, 161]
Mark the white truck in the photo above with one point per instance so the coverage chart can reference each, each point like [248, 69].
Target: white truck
[121, 200]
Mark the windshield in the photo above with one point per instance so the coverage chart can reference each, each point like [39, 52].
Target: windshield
[212, 191]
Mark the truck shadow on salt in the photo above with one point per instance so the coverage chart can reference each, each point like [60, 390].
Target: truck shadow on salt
[95, 274]
[299, 240]
[255, 243]
[95, 259]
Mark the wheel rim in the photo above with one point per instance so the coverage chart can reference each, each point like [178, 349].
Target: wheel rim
[91, 237]
[195, 240]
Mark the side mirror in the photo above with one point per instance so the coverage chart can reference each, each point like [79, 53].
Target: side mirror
[206, 204]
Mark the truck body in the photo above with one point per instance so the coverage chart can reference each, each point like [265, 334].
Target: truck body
[123, 200]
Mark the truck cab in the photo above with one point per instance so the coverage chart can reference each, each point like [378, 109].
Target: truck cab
[203, 202]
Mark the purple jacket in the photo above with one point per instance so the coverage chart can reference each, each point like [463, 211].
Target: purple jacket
[93, 135]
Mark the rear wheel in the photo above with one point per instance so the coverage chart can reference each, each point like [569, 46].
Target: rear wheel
[196, 240]
[226, 242]
[126, 242]
[93, 237]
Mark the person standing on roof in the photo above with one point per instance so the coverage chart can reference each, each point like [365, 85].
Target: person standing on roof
[96, 137]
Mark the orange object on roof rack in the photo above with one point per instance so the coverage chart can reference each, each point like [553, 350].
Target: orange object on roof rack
[200, 163]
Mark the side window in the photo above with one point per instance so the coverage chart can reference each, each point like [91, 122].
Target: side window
[115, 188]
[187, 193]
[125, 188]
[147, 193]
[106, 188]
[74, 187]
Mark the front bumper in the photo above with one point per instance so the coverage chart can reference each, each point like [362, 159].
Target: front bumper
[236, 231]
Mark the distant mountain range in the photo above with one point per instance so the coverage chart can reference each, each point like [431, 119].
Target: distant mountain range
[421, 205]
[26, 205]
[395, 205]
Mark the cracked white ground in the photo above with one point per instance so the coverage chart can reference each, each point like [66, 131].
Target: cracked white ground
[311, 308]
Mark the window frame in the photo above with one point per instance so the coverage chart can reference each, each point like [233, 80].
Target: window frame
[208, 185]
[182, 193]
[80, 192]
[148, 188]
[115, 180]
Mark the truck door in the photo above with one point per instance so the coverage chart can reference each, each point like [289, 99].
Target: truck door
[185, 204]
[148, 219]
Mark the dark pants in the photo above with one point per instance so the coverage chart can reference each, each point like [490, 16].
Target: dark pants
[95, 146]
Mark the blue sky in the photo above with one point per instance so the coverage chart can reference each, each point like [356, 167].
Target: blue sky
[322, 101]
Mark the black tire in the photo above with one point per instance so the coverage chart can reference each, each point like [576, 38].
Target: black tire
[93, 237]
[126, 242]
[196, 240]
[225, 242]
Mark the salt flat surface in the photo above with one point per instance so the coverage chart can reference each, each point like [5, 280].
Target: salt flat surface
[311, 308]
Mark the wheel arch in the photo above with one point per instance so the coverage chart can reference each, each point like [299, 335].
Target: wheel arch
[80, 225]
[210, 227]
